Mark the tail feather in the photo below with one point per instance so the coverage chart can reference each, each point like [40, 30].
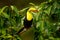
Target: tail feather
[20, 30]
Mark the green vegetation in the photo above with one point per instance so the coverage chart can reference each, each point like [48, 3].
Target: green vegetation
[46, 22]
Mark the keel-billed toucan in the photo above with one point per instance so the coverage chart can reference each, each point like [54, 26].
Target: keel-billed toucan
[28, 19]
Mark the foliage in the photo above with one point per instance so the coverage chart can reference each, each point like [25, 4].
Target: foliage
[9, 23]
[47, 25]
[46, 21]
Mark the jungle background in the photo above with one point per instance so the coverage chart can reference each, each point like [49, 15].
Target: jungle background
[46, 22]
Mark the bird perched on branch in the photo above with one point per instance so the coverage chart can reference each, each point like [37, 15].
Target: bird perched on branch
[28, 19]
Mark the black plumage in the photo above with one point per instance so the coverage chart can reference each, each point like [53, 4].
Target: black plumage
[27, 24]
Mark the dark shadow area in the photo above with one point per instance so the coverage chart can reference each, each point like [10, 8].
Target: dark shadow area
[19, 3]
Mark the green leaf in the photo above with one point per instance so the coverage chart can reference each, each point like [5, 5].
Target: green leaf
[3, 9]
[1, 22]
[3, 31]
[48, 10]
[5, 15]
[15, 9]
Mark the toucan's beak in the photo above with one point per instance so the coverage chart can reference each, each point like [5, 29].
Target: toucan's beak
[34, 11]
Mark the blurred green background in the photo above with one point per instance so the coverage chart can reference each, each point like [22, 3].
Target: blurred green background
[19, 3]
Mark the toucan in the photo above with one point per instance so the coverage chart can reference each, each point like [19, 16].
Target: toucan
[28, 19]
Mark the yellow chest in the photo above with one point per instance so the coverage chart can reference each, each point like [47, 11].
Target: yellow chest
[29, 16]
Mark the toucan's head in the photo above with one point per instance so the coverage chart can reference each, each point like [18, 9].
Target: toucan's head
[29, 13]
